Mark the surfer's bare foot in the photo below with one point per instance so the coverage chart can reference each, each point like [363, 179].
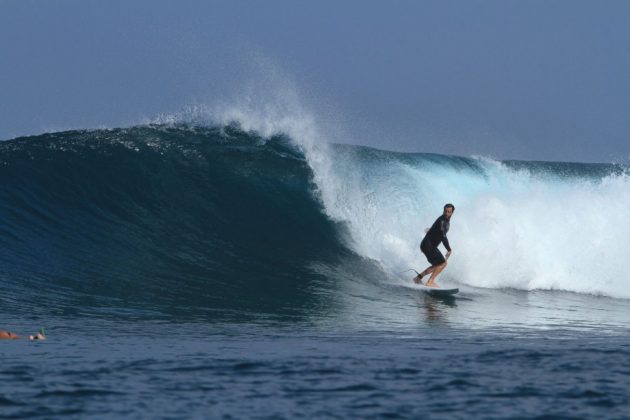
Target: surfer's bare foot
[432, 285]
[417, 279]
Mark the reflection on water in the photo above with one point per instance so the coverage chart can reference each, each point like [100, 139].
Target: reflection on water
[436, 307]
[395, 305]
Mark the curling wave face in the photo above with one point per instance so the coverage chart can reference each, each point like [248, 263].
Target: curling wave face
[221, 221]
[157, 217]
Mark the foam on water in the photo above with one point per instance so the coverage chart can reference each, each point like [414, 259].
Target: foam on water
[513, 228]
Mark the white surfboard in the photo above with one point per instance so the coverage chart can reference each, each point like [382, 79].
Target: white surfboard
[438, 291]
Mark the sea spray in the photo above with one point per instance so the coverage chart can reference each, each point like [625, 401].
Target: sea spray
[514, 227]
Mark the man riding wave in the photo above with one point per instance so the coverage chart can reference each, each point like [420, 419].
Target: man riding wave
[429, 246]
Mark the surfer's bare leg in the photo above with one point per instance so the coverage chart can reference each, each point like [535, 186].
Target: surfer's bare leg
[429, 270]
[437, 269]
[418, 278]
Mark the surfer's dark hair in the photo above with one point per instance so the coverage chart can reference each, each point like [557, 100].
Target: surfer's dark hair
[449, 205]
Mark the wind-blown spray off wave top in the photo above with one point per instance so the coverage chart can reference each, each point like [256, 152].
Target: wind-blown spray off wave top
[227, 220]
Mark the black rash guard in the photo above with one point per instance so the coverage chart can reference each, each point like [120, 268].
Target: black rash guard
[438, 231]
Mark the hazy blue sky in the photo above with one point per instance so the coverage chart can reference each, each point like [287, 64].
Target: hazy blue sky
[546, 80]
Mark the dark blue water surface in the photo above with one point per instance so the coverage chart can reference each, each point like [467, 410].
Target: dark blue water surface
[170, 370]
[185, 272]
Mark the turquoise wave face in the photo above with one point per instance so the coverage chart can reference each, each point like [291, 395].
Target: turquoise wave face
[169, 218]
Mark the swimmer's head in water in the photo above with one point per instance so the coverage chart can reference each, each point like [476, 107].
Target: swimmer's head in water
[38, 336]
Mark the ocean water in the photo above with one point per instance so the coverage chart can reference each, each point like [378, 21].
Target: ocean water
[230, 271]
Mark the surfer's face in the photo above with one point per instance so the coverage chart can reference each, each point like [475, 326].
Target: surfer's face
[448, 212]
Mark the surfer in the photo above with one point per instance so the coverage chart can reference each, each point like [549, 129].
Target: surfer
[429, 246]
[8, 335]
